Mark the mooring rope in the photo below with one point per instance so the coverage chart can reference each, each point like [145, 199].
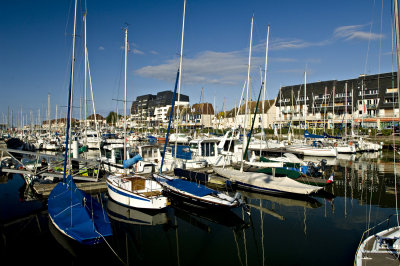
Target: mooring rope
[108, 244]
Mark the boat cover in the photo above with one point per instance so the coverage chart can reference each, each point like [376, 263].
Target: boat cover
[71, 211]
[190, 187]
[128, 163]
[267, 182]
[314, 136]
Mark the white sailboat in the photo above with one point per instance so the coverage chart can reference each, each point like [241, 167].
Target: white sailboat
[134, 190]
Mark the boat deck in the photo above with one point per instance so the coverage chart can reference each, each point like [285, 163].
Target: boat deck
[381, 257]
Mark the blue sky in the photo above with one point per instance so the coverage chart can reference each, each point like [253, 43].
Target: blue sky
[328, 39]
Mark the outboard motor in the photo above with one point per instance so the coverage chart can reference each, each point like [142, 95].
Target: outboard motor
[313, 170]
[242, 203]
[323, 164]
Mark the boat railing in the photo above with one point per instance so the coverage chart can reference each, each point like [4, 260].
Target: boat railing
[366, 232]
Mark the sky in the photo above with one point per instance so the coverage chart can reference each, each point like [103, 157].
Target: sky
[329, 40]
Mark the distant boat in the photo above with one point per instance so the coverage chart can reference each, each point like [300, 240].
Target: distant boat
[260, 182]
[73, 212]
[194, 194]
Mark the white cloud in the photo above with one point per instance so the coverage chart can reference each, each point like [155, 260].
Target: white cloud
[101, 48]
[137, 51]
[352, 32]
[209, 67]
[153, 52]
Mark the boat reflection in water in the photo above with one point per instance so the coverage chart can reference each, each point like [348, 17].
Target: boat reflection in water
[166, 237]
[124, 214]
[200, 217]
[80, 254]
[259, 201]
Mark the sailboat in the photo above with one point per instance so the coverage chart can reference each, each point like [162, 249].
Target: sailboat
[384, 247]
[317, 148]
[134, 190]
[182, 190]
[72, 211]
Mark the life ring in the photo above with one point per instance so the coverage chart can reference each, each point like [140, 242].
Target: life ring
[335, 144]
[351, 143]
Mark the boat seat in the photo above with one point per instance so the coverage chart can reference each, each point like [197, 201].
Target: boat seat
[152, 193]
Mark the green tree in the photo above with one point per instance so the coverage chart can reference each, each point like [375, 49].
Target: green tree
[112, 117]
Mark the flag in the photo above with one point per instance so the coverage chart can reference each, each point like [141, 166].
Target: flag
[330, 180]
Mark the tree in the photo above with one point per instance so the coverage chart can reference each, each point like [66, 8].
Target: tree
[112, 117]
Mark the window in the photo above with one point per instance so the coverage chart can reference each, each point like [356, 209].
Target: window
[208, 149]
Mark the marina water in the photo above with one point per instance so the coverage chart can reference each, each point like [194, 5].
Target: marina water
[318, 230]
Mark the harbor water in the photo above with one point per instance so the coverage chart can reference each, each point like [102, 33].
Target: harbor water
[318, 230]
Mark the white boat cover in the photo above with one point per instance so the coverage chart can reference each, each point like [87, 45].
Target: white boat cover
[268, 182]
[266, 164]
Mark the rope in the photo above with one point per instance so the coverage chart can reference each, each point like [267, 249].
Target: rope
[115, 253]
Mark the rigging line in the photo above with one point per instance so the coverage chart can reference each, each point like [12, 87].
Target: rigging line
[108, 244]
[394, 45]
[369, 40]
[237, 247]
[370, 200]
[244, 238]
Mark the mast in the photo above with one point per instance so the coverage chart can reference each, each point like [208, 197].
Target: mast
[305, 101]
[56, 117]
[126, 53]
[180, 77]
[70, 104]
[85, 86]
[333, 110]
[362, 105]
[345, 110]
[247, 94]
[265, 84]
[48, 111]
[396, 16]
[352, 112]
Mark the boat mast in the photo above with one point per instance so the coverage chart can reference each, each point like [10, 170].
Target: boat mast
[333, 110]
[180, 78]
[396, 10]
[48, 112]
[345, 112]
[305, 99]
[72, 85]
[396, 15]
[247, 94]
[126, 53]
[265, 85]
[85, 87]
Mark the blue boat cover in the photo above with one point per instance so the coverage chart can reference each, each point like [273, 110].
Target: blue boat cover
[152, 139]
[190, 187]
[128, 163]
[77, 214]
[314, 136]
[331, 137]
[182, 152]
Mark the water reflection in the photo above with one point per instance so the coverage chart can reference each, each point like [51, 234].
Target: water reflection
[362, 196]
[124, 214]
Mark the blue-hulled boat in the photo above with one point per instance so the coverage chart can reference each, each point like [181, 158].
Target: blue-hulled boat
[73, 212]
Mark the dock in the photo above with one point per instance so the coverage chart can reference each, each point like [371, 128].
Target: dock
[44, 190]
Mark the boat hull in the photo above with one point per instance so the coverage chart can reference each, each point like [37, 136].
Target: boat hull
[135, 199]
